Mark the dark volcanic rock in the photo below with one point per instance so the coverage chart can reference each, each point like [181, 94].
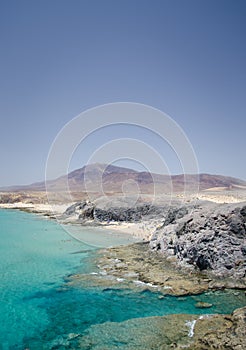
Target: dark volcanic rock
[205, 236]
[82, 210]
[86, 210]
[203, 262]
[125, 214]
[211, 237]
[174, 214]
[75, 208]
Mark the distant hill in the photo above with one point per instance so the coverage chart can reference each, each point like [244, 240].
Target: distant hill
[109, 178]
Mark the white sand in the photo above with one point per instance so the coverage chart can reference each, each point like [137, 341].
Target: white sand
[222, 198]
[143, 230]
[42, 208]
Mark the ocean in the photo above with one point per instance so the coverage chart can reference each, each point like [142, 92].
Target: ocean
[38, 308]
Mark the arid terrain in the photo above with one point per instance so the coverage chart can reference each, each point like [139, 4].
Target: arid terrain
[97, 180]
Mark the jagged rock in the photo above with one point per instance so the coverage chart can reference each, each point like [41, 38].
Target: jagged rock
[203, 262]
[209, 238]
[191, 332]
[174, 214]
[81, 211]
[134, 214]
[243, 212]
[202, 305]
[220, 332]
[75, 208]
[86, 210]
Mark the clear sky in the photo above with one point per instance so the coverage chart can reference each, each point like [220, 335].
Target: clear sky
[184, 57]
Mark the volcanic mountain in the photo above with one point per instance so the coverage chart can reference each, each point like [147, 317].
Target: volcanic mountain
[113, 179]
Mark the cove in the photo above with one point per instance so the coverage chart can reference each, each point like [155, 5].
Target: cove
[37, 306]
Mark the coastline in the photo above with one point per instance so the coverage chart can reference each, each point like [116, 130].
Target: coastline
[37, 208]
[150, 271]
[142, 231]
[137, 267]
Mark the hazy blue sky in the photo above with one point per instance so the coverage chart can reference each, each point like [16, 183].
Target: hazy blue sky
[185, 57]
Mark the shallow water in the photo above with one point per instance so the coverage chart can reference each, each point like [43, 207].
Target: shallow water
[37, 307]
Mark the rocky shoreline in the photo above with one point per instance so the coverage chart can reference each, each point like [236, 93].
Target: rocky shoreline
[171, 332]
[137, 267]
[178, 332]
[195, 248]
[191, 248]
[208, 238]
[152, 269]
[200, 239]
[201, 236]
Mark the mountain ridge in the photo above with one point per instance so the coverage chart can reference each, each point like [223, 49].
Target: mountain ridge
[92, 176]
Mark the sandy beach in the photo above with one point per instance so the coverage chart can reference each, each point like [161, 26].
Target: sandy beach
[37, 208]
[142, 230]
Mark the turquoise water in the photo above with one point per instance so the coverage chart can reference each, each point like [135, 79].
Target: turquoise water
[36, 306]
[35, 255]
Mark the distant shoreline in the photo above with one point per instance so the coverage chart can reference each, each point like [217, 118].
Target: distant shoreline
[140, 230]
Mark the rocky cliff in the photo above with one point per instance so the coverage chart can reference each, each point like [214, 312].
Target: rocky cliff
[87, 210]
[208, 238]
[204, 236]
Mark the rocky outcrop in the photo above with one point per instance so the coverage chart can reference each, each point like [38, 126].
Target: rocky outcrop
[204, 236]
[137, 263]
[191, 332]
[220, 332]
[80, 211]
[208, 238]
[87, 210]
[134, 214]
